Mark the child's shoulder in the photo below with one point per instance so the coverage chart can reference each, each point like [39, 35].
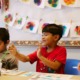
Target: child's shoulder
[61, 47]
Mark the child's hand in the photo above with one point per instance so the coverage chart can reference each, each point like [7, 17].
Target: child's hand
[39, 50]
[79, 66]
[12, 50]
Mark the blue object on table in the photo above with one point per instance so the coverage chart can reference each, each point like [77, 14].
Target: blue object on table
[71, 67]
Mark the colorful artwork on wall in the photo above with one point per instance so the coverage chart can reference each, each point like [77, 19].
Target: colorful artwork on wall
[19, 22]
[42, 25]
[70, 3]
[53, 3]
[26, 1]
[38, 3]
[75, 30]
[31, 26]
[66, 28]
[9, 19]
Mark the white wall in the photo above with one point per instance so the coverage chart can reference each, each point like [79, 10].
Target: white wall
[65, 15]
[72, 52]
[26, 50]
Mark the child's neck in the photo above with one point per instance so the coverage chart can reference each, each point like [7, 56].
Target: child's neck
[51, 48]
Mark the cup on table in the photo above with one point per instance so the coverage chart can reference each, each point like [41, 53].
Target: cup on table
[0, 66]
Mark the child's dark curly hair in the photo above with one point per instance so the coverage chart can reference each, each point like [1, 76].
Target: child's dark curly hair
[4, 35]
[53, 29]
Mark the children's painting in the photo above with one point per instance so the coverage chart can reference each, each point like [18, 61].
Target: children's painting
[26, 1]
[42, 25]
[31, 26]
[66, 29]
[75, 30]
[56, 4]
[19, 22]
[39, 3]
[9, 19]
[69, 3]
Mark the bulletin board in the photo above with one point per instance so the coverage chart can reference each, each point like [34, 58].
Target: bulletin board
[60, 12]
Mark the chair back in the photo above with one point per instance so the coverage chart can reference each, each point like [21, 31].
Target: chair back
[71, 67]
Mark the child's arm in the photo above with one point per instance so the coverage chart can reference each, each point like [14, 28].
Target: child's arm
[21, 57]
[79, 66]
[55, 65]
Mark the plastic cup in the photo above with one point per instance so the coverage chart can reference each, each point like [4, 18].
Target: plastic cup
[0, 66]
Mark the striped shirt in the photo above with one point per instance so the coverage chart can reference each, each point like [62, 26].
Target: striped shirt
[9, 61]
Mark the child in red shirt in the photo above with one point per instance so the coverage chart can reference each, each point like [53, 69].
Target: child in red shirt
[50, 57]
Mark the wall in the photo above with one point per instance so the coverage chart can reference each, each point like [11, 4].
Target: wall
[65, 14]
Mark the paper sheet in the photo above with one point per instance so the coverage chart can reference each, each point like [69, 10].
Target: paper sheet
[50, 77]
[11, 72]
[28, 74]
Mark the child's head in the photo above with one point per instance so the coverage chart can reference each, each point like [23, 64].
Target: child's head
[4, 39]
[52, 33]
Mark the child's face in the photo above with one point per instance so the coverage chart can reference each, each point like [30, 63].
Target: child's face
[2, 46]
[48, 39]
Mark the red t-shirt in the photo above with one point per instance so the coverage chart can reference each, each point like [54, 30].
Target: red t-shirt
[59, 54]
